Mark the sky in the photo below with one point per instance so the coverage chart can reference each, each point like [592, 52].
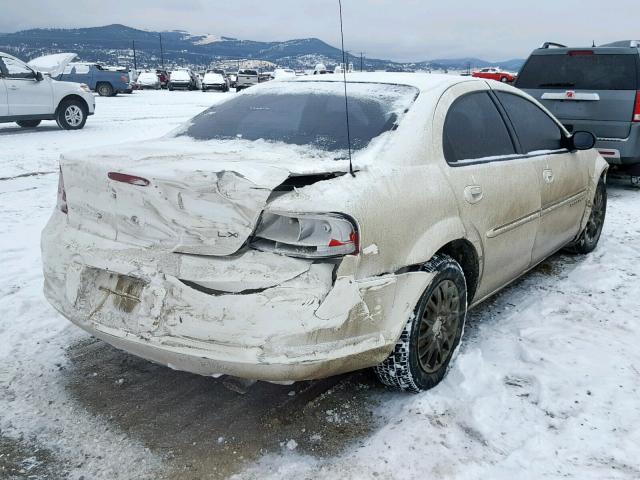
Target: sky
[402, 30]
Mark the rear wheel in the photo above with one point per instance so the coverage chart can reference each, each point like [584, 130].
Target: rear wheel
[504, 79]
[105, 90]
[588, 239]
[28, 123]
[71, 115]
[430, 337]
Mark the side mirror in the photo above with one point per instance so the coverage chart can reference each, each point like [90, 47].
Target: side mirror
[39, 76]
[582, 141]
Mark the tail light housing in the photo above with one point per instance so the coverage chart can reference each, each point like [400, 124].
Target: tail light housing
[124, 78]
[62, 195]
[636, 108]
[324, 235]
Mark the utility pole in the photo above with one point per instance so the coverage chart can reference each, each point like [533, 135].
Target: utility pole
[161, 51]
[361, 60]
[135, 62]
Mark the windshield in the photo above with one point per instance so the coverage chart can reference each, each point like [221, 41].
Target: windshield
[585, 71]
[306, 113]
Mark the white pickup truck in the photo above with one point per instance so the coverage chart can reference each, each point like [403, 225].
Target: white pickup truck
[246, 79]
[28, 96]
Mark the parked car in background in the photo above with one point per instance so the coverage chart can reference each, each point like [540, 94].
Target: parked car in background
[283, 74]
[215, 81]
[494, 73]
[163, 76]
[233, 77]
[105, 82]
[149, 79]
[245, 247]
[595, 89]
[246, 78]
[183, 79]
[320, 69]
[28, 96]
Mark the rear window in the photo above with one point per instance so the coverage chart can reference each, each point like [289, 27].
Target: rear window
[306, 113]
[580, 72]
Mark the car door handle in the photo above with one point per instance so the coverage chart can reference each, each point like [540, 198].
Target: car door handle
[473, 194]
[547, 174]
[12, 87]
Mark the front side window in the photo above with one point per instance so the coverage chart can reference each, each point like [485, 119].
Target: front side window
[16, 69]
[475, 129]
[534, 128]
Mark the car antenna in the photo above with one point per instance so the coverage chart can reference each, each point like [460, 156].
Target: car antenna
[346, 100]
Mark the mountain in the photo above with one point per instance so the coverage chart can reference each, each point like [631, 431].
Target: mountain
[114, 44]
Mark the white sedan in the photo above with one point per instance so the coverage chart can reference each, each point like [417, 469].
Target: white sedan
[248, 244]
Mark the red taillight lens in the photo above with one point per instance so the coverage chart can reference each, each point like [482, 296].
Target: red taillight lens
[578, 53]
[124, 78]
[62, 195]
[636, 108]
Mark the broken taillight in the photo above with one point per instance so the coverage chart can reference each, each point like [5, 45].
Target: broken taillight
[307, 235]
[636, 108]
[62, 195]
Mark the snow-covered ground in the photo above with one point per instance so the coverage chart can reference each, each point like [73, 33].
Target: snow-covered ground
[546, 384]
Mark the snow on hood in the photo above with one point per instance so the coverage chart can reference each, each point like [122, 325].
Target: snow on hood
[213, 78]
[54, 64]
[179, 75]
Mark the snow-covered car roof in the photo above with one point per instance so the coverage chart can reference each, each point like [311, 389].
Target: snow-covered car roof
[421, 81]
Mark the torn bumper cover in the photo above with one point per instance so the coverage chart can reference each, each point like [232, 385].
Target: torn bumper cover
[255, 315]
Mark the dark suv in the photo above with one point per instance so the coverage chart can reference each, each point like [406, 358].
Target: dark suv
[595, 89]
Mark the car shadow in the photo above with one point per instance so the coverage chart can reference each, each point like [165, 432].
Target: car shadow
[208, 427]
[20, 131]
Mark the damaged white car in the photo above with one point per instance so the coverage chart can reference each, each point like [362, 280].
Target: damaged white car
[242, 244]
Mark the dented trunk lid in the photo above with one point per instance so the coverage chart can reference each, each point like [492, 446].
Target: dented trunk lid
[187, 200]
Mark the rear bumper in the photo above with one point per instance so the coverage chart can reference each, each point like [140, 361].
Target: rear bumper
[304, 326]
[216, 86]
[180, 85]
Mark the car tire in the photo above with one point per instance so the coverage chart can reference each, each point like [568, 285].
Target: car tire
[504, 79]
[71, 115]
[588, 239]
[170, 87]
[105, 90]
[438, 319]
[28, 123]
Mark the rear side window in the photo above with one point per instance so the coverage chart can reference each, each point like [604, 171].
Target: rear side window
[581, 71]
[535, 129]
[475, 129]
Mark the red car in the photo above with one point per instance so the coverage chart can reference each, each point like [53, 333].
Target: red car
[493, 73]
[163, 76]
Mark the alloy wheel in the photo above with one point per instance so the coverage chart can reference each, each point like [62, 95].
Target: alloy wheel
[438, 326]
[596, 219]
[73, 115]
